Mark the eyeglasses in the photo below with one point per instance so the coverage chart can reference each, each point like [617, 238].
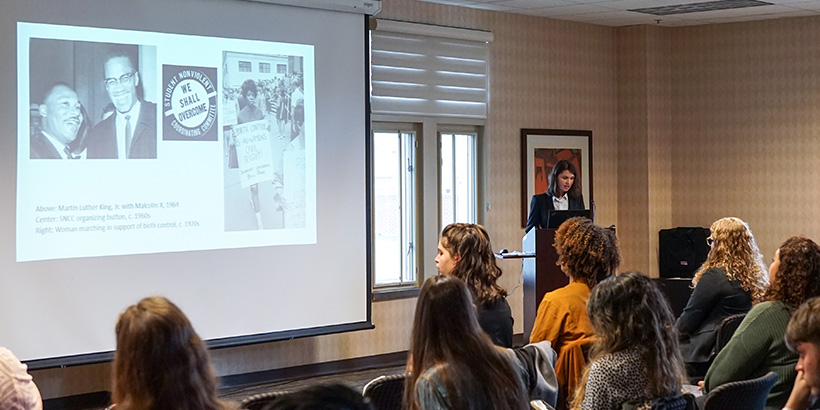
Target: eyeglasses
[124, 79]
[710, 241]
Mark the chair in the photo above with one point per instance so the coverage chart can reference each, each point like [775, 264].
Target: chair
[262, 400]
[385, 392]
[684, 401]
[742, 395]
[727, 328]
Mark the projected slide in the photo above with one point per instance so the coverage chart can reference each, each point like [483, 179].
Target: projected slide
[136, 142]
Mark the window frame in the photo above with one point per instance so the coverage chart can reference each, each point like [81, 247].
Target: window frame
[477, 177]
[408, 288]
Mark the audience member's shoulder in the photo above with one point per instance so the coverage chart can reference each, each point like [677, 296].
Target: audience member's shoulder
[17, 389]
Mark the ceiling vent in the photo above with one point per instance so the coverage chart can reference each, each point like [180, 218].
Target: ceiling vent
[700, 7]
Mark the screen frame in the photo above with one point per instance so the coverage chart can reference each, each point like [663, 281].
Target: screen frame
[243, 340]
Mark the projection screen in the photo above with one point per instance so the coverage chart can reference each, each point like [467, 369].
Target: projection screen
[210, 151]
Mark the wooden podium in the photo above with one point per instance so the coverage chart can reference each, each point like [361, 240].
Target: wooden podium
[541, 273]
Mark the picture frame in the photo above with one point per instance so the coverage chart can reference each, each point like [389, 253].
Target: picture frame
[541, 149]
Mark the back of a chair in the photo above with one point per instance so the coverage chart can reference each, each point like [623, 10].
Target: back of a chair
[742, 395]
[385, 392]
[684, 401]
[727, 329]
[262, 400]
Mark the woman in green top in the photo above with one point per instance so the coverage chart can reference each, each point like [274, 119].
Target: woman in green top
[758, 345]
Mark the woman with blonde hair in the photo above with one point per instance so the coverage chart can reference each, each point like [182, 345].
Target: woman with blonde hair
[635, 357]
[759, 345]
[160, 362]
[465, 252]
[733, 276]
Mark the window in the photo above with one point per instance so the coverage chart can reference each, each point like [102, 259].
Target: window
[264, 67]
[394, 221]
[281, 69]
[435, 80]
[245, 66]
[457, 185]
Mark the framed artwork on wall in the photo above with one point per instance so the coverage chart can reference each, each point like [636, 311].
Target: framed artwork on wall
[541, 149]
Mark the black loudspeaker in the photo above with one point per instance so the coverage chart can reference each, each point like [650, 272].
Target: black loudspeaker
[681, 251]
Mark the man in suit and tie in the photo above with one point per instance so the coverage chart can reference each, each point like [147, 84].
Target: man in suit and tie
[132, 131]
[61, 119]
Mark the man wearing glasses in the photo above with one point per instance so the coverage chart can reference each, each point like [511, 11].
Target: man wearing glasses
[132, 131]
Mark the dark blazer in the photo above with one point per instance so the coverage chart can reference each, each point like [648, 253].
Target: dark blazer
[41, 148]
[102, 140]
[714, 298]
[540, 206]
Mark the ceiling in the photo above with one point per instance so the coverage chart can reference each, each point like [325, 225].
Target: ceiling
[616, 13]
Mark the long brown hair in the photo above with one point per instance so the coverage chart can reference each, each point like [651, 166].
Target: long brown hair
[476, 266]
[628, 311]
[798, 277]
[736, 252]
[160, 362]
[446, 337]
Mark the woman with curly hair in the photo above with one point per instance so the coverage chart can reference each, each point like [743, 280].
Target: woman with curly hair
[758, 346]
[635, 357]
[464, 251]
[160, 362]
[732, 277]
[453, 365]
[587, 254]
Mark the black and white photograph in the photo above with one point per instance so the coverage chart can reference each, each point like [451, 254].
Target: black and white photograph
[91, 100]
[263, 111]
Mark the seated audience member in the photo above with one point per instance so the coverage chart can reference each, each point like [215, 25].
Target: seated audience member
[160, 361]
[321, 397]
[17, 389]
[464, 251]
[636, 355]
[758, 346]
[452, 363]
[726, 284]
[803, 336]
[587, 253]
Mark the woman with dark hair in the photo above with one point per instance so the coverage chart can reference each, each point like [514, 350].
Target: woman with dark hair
[732, 277]
[465, 252]
[453, 365]
[587, 254]
[160, 362]
[563, 193]
[250, 112]
[635, 356]
[758, 346]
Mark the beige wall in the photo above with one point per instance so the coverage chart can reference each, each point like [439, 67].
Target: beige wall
[689, 124]
[747, 127]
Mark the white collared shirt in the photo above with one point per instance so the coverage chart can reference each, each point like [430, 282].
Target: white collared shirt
[561, 204]
[119, 118]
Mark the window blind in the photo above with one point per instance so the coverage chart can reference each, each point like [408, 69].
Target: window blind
[429, 70]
